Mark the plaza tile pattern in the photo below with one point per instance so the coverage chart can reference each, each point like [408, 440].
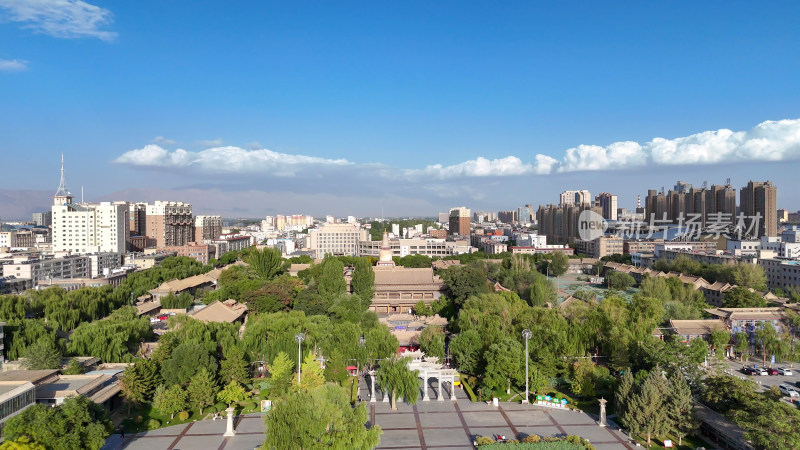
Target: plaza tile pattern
[435, 424]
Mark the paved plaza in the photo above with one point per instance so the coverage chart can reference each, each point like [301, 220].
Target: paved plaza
[448, 424]
[434, 424]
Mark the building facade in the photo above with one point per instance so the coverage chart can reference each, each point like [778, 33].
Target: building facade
[336, 239]
[608, 204]
[759, 205]
[169, 224]
[459, 221]
[207, 227]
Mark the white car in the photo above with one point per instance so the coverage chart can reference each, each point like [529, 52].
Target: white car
[154, 320]
[788, 390]
[785, 371]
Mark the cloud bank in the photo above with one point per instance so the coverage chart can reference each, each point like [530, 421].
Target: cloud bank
[767, 141]
[67, 19]
[13, 65]
[225, 160]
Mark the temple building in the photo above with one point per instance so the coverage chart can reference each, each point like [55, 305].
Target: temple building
[398, 289]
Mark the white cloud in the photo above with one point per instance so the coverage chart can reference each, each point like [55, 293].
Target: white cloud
[161, 140]
[210, 143]
[61, 18]
[13, 65]
[479, 167]
[225, 160]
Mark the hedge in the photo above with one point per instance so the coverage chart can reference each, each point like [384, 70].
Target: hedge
[468, 389]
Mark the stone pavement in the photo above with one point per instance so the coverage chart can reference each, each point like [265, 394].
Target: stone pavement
[201, 435]
[448, 424]
[434, 424]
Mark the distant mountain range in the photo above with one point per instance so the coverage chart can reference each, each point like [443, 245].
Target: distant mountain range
[18, 205]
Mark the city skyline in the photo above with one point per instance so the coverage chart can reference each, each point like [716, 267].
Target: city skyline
[395, 108]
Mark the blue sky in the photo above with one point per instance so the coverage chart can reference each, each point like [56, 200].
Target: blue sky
[251, 108]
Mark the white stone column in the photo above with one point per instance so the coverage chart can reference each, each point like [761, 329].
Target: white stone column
[453, 388]
[439, 380]
[372, 388]
[229, 431]
[425, 397]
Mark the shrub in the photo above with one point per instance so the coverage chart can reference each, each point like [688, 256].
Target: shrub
[532, 439]
[221, 406]
[183, 415]
[210, 410]
[468, 390]
[484, 440]
[152, 424]
[139, 419]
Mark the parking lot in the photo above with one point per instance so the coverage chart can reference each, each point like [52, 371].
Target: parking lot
[764, 381]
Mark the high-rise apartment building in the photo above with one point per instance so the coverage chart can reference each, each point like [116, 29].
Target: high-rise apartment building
[759, 203]
[207, 227]
[87, 227]
[507, 216]
[581, 197]
[138, 217]
[459, 221]
[608, 204]
[336, 239]
[685, 203]
[169, 224]
[560, 222]
[43, 219]
[524, 215]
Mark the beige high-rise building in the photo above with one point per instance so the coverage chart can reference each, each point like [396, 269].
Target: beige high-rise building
[758, 201]
[207, 228]
[169, 223]
[608, 203]
[575, 197]
[87, 227]
[336, 239]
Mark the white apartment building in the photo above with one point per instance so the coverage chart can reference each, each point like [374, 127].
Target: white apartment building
[336, 239]
[38, 269]
[581, 197]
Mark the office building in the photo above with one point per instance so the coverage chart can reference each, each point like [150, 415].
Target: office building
[758, 204]
[336, 239]
[608, 204]
[88, 227]
[459, 221]
[524, 215]
[169, 224]
[207, 227]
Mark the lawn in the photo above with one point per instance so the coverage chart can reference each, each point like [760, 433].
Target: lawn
[132, 424]
[689, 443]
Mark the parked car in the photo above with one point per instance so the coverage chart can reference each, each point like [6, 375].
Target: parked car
[797, 383]
[154, 319]
[749, 371]
[785, 371]
[163, 317]
[788, 390]
[773, 371]
[761, 371]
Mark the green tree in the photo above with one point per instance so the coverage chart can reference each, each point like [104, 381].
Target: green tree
[42, 354]
[749, 276]
[680, 408]
[646, 414]
[467, 349]
[380, 344]
[234, 366]
[464, 281]
[431, 342]
[504, 362]
[185, 361]
[21, 443]
[281, 373]
[311, 375]
[583, 381]
[363, 282]
[394, 376]
[331, 282]
[618, 280]
[558, 265]
[319, 418]
[767, 339]
[265, 263]
[139, 381]
[742, 297]
[423, 309]
[741, 344]
[624, 392]
[202, 389]
[719, 341]
[170, 400]
[76, 423]
[232, 393]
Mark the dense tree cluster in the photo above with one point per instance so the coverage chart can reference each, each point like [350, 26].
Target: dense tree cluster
[741, 274]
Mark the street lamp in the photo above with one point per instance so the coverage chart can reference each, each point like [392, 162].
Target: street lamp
[299, 337]
[526, 333]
